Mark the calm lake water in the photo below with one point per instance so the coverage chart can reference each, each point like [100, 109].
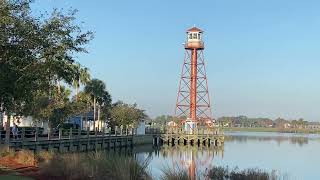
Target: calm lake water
[296, 156]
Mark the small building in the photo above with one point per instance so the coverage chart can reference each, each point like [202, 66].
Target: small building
[190, 125]
[313, 125]
[141, 129]
[287, 125]
[172, 124]
[22, 121]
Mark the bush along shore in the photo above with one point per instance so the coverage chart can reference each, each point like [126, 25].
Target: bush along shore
[222, 173]
[104, 165]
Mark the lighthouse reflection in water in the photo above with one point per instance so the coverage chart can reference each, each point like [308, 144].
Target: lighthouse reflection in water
[195, 160]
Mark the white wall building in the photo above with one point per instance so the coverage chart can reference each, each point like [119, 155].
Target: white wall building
[24, 122]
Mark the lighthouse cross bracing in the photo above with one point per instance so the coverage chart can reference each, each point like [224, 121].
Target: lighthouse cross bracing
[193, 99]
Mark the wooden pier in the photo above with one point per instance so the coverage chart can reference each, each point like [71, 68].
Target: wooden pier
[72, 141]
[199, 136]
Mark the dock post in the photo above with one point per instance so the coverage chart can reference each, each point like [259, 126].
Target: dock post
[49, 133]
[103, 134]
[88, 138]
[115, 130]
[60, 133]
[126, 130]
[36, 134]
[79, 133]
[127, 136]
[70, 133]
[23, 135]
[95, 138]
[78, 139]
[70, 142]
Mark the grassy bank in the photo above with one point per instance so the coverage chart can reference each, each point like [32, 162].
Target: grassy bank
[72, 166]
[222, 173]
[103, 165]
[282, 130]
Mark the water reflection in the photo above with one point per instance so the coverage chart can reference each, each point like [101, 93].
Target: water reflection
[269, 151]
[194, 159]
[279, 139]
[299, 139]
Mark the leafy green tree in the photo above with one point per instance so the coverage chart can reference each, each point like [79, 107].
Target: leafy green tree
[164, 119]
[54, 110]
[36, 54]
[126, 114]
[104, 107]
[83, 103]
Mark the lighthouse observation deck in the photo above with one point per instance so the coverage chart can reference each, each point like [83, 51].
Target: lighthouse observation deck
[194, 45]
[194, 39]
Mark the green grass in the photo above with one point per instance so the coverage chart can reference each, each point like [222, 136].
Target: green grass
[14, 177]
[7, 174]
[222, 173]
[262, 129]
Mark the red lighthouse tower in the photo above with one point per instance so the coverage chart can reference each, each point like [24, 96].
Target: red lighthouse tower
[193, 101]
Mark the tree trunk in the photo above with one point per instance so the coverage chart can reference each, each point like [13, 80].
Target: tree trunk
[77, 92]
[49, 126]
[8, 129]
[99, 124]
[77, 89]
[87, 119]
[58, 86]
[1, 118]
[1, 114]
[94, 113]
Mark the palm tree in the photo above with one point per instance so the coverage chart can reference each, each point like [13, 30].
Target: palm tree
[104, 105]
[96, 88]
[85, 99]
[82, 76]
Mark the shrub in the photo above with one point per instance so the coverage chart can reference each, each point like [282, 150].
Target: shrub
[68, 166]
[44, 156]
[97, 165]
[6, 152]
[174, 174]
[224, 173]
[25, 157]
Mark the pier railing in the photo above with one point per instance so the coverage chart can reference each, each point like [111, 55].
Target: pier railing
[37, 134]
[178, 130]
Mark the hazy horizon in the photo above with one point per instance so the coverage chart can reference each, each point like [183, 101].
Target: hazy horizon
[262, 57]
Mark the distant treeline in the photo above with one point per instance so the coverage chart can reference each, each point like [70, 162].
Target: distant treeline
[244, 121]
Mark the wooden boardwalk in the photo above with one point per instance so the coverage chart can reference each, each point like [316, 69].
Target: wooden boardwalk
[201, 136]
[66, 141]
[82, 143]
[76, 141]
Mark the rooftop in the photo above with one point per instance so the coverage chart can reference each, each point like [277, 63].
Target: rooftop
[194, 29]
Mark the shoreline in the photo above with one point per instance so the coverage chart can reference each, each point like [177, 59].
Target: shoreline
[279, 130]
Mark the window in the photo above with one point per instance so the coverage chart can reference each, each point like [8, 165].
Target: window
[199, 36]
[190, 36]
[194, 35]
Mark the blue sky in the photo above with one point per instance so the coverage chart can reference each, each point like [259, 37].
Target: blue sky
[262, 56]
